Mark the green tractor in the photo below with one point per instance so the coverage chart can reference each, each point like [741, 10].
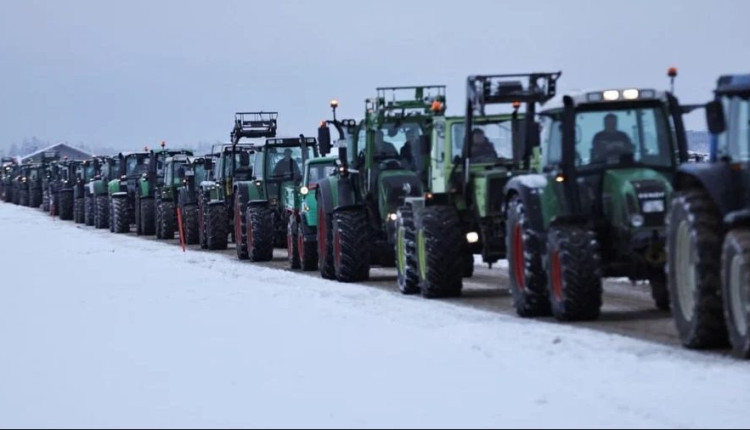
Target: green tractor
[153, 215]
[97, 189]
[191, 176]
[462, 212]
[27, 190]
[83, 207]
[385, 160]
[61, 188]
[261, 198]
[167, 194]
[220, 212]
[708, 232]
[595, 207]
[122, 190]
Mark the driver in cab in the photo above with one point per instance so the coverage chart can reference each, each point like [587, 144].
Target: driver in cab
[610, 142]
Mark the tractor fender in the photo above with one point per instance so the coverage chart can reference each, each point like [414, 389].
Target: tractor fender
[119, 195]
[338, 192]
[719, 181]
[740, 218]
[529, 189]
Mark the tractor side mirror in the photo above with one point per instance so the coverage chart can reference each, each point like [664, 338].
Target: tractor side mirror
[425, 146]
[715, 117]
[324, 140]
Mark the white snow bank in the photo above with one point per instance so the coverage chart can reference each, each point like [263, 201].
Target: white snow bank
[140, 335]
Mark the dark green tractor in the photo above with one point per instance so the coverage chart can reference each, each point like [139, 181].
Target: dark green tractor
[385, 160]
[27, 189]
[61, 188]
[278, 164]
[97, 189]
[123, 188]
[83, 207]
[595, 208]
[462, 212]
[152, 214]
[167, 194]
[191, 176]
[708, 232]
[221, 212]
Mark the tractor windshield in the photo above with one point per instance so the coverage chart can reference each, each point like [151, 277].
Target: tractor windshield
[397, 141]
[490, 141]
[283, 163]
[607, 137]
[320, 171]
[89, 171]
[137, 166]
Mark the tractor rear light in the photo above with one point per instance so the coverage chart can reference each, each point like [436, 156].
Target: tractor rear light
[472, 237]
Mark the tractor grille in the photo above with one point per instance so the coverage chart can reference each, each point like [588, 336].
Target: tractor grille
[651, 190]
[495, 195]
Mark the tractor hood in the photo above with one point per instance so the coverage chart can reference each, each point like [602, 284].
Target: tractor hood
[636, 197]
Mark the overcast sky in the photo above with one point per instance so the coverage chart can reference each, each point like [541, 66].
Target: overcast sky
[130, 73]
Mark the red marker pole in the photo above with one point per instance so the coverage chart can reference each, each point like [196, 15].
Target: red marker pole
[182, 233]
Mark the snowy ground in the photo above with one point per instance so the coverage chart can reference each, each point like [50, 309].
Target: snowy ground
[104, 330]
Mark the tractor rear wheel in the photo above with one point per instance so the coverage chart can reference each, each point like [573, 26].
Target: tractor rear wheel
[528, 280]
[325, 243]
[736, 290]
[441, 269]
[65, 210]
[120, 222]
[260, 233]
[101, 213]
[166, 217]
[292, 247]
[78, 211]
[88, 211]
[240, 227]
[147, 217]
[217, 224]
[406, 252]
[694, 236]
[351, 247]
[190, 224]
[307, 250]
[573, 267]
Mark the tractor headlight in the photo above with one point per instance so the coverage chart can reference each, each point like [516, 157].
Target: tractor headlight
[304, 191]
[392, 217]
[653, 206]
[472, 237]
[637, 220]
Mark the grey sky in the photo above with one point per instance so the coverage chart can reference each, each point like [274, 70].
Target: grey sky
[130, 73]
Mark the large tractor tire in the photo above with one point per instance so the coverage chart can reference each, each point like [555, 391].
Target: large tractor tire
[441, 268]
[147, 217]
[216, 227]
[292, 242]
[101, 212]
[307, 250]
[406, 252]
[88, 210]
[574, 276]
[203, 222]
[165, 215]
[735, 276]
[190, 225]
[240, 226]
[23, 198]
[694, 238]
[35, 199]
[79, 215]
[45, 201]
[325, 243]
[351, 246]
[528, 280]
[8, 196]
[120, 221]
[65, 210]
[260, 233]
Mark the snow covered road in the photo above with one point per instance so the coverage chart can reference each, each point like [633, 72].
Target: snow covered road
[98, 330]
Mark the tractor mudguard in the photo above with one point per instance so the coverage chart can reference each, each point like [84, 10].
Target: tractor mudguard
[347, 208]
[740, 218]
[529, 188]
[717, 179]
[335, 192]
[144, 187]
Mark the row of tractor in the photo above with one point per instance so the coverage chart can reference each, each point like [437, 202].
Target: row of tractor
[569, 189]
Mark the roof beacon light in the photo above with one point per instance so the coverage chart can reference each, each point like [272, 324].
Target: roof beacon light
[163, 144]
[334, 103]
[631, 94]
[611, 95]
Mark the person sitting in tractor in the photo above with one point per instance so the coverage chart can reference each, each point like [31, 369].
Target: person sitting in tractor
[482, 150]
[383, 148]
[409, 149]
[287, 167]
[610, 142]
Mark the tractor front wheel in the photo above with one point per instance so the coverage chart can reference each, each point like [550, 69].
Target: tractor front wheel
[78, 211]
[260, 234]
[217, 224]
[120, 222]
[573, 267]
[325, 244]
[167, 222]
[66, 206]
[292, 247]
[88, 211]
[147, 217]
[240, 227]
[307, 249]
[190, 225]
[441, 268]
[351, 247]
[101, 215]
[406, 252]
[736, 290]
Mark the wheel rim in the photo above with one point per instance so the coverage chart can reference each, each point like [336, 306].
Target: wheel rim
[685, 272]
[557, 282]
[738, 295]
[400, 250]
[518, 257]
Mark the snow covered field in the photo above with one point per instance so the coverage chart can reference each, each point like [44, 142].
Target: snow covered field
[104, 330]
